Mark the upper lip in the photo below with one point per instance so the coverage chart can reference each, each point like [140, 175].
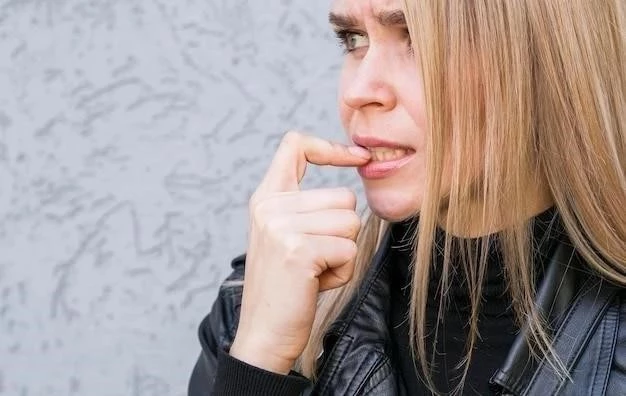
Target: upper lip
[372, 141]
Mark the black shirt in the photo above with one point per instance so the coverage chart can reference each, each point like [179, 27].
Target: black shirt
[496, 321]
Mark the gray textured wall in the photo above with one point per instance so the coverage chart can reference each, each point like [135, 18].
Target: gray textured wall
[131, 135]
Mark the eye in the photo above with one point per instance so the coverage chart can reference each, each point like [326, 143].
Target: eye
[351, 41]
[407, 37]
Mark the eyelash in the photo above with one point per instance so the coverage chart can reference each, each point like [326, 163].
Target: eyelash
[343, 35]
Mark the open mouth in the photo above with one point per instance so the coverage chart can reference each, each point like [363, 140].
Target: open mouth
[385, 161]
[384, 154]
[387, 156]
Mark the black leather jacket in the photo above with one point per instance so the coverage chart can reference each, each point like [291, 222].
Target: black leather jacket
[588, 316]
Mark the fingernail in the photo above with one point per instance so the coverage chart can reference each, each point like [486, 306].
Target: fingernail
[359, 152]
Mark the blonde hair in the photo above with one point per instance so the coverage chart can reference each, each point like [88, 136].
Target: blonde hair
[529, 93]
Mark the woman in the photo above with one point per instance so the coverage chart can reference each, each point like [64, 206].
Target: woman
[501, 125]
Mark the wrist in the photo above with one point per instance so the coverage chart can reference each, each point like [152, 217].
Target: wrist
[258, 355]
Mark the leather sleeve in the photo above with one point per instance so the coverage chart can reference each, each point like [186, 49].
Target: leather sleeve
[617, 377]
[217, 331]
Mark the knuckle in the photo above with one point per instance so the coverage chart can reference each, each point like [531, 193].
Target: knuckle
[354, 224]
[347, 197]
[261, 212]
[350, 250]
[292, 138]
[254, 206]
[266, 205]
[346, 276]
[334, 146]
[274, 225]
[293, 246]
[254, 201]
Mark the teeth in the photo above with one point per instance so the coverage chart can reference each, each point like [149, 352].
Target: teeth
[386, 154]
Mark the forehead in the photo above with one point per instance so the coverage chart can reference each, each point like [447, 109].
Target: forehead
[364, 8]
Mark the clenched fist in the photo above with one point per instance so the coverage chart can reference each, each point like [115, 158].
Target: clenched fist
[300, 243]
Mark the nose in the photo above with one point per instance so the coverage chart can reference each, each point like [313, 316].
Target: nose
[367, 84]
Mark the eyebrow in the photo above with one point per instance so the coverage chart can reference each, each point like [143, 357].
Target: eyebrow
[385, 18]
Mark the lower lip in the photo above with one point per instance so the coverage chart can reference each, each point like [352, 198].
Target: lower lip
[382, 169]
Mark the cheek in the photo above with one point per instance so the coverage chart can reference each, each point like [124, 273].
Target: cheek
[412, 97]
[345, 114]
[345, 111]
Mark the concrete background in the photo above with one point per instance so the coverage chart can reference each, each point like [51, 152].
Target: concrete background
[132, 133]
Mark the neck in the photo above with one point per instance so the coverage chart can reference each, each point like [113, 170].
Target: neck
[472, 224]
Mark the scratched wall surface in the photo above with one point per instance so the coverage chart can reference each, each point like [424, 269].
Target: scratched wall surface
[132, 133]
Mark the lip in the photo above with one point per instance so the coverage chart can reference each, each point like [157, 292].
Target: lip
[371, 141]
[381, 169]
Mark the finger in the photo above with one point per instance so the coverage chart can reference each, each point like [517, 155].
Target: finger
[338, 256]
[296, 150]
[306, 201]
[336, 277]
[343, 223]
[335, 257]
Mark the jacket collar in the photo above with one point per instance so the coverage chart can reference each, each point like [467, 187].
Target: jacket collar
[562, 290]
[553, 300]
[562, 296]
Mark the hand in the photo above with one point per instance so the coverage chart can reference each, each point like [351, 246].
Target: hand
[300, 243]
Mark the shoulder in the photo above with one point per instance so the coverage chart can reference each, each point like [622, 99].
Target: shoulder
[607, 341]
[220, 325]
[217, 330]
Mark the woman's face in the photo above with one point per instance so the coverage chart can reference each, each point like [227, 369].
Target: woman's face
[381, 103]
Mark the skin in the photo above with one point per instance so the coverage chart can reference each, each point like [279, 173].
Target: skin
[300, 243]
[303, 242]
[381, 95]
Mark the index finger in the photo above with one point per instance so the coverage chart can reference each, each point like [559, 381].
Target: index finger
[296, 150]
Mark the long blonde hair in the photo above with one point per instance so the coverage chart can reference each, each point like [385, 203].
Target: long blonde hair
[529, 92]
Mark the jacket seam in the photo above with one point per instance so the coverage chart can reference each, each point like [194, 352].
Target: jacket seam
[613, 344]
[588, 334]
[597, 358]
[384, 258]
[359, 302]
[571, 314]
[568, 318]
[376, 366]
[334, 369]
[342, 331]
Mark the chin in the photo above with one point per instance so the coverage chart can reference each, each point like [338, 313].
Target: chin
[392, 205]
